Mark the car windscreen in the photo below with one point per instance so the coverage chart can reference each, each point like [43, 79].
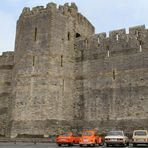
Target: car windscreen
[140, 133]
[86, 134]
[115, 133]
[66, 134]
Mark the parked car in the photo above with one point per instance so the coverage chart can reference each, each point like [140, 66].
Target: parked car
[90, 138]
[67, 138]
[116, 138]
[140, 137]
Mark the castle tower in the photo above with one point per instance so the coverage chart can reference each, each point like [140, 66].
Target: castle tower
[43, 75]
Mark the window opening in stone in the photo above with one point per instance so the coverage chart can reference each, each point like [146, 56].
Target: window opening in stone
[108, 52]
[114, 75]
[86, 41]
[140, 44]
[33, 61]
[117, 37]
[78, 35]
[68, 36]
[63, 85]
[137, 34]
[61, 60]
[35, 34]
[98, 41]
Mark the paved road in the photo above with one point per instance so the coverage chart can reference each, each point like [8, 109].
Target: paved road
[30, 145]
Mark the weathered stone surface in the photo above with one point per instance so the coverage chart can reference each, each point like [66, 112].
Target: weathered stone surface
[43, 86]
[63, 76]
[114, 84]
[6, 65]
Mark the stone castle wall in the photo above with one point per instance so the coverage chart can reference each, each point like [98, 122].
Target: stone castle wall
[64, 76]
[6, 66]
[112, 72]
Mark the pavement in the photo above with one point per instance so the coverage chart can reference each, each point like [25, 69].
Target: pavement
[45, 145]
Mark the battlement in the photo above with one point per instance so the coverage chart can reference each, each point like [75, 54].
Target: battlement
[7, 58]
[119, 42]
[6, 54]
[135, 33]
[66, 9]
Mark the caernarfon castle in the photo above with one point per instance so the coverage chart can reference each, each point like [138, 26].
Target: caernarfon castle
[62, 75]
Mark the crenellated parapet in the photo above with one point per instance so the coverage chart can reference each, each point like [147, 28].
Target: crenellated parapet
[66, 9]
[8, 53]
[118, 42]
[7, 58]
[137, 32]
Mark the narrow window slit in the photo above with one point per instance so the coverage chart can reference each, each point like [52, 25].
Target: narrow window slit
[61, 60]
[33, 61]
[35, 34]
[63, 85]
[98, 41]
[86, 41]
[140, 46]
[137, 34]
[117, 37]
[114, 75]
[68, 36]
[108, 52]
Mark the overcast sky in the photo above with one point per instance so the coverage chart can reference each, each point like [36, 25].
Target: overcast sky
[105, 15]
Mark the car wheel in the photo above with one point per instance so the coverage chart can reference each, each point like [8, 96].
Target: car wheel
[70, 144]
[127, 144]
[101, 144]
[123, 144]
[81, 145]
[94, 145]
[107, 145]
[59, 144]
[134, 145]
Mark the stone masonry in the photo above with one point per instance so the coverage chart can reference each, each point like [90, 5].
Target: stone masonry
[62, 75]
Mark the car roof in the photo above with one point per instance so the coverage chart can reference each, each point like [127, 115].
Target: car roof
[116, 131]
[140, 130]
[88, 131]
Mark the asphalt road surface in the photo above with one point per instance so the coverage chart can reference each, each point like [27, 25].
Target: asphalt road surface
[46, 145]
